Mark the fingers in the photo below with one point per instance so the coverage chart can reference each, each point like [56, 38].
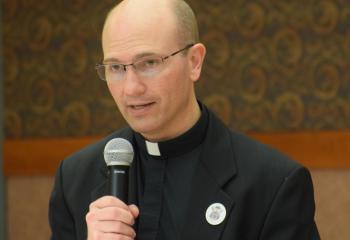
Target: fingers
[108, 201]
[116, 228]
[110, 218]
[134, 210]
[109, 236]
[111, 213]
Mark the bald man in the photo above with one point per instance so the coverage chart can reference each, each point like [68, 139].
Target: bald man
[191, 177]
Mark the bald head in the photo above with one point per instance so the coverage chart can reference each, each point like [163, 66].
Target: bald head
[186, 22]
[178, 11]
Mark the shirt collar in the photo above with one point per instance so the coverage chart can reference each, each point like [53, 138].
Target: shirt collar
[180, 145]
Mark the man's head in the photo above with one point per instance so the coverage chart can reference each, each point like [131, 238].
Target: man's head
[162, 105]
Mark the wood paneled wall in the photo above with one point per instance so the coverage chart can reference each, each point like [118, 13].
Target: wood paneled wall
[313, 149]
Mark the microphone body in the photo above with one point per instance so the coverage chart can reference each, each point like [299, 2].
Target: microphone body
[119, 181]
[119, 154]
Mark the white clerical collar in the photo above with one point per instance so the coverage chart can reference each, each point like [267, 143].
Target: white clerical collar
[180, 145]
[152, 148]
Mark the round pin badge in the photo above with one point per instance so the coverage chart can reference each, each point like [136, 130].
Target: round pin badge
[215, 214]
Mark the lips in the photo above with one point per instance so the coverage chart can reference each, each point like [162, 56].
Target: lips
[138, 109]
[140, 106]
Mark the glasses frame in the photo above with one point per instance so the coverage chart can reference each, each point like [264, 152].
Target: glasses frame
[100, 66]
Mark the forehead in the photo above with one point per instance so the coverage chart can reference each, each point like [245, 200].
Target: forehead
[139, 29]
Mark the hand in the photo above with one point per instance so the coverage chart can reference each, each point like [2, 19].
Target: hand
[111, 219]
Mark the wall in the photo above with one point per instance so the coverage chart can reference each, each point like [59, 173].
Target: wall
[27, 199]
[332, 195]
[2, 184]
[271, 66]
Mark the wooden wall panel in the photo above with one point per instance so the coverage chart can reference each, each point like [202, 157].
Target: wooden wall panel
[313, 149]
[39, 156]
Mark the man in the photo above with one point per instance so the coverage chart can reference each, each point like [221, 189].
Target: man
[191, 177]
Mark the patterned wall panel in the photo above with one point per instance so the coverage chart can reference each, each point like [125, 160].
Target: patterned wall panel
[271, 65]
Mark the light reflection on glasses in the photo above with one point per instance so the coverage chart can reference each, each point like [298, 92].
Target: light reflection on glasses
[145, 67]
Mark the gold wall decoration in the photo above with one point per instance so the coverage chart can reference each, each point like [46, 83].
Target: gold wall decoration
[271, 66]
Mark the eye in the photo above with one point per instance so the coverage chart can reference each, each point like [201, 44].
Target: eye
[150, 63]
[115, 67]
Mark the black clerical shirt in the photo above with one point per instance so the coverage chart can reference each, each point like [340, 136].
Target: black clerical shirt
[164, 172]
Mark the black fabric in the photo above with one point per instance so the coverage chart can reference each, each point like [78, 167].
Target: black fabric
[165, 189]
[151, 199]
[266, 195]
[182, 144]
[176, 193]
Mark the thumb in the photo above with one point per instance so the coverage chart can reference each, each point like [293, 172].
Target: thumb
[134, 210]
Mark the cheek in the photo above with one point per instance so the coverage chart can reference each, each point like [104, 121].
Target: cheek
[180, 84]
[167, 88]
[178, 79]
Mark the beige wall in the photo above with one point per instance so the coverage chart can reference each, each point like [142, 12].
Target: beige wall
[332, 191]
[27, 202]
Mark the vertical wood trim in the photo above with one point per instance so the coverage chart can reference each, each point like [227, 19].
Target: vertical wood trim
[2, 181]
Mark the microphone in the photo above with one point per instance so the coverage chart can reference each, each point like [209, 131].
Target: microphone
[118, 154]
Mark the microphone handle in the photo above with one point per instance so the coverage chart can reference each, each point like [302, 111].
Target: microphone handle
[118, 182]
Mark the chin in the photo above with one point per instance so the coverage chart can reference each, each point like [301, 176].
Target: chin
[143, 129]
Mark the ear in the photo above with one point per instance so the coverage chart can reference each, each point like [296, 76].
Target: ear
[196, 57]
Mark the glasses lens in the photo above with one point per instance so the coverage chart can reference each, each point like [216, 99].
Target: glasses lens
[110, 72]
[114, 72]
[101, 72]
[149, 66]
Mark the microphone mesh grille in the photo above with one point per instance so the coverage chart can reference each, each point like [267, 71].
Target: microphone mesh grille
[118, 151]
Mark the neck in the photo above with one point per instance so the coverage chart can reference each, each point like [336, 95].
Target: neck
[187, 120]
[179, 145]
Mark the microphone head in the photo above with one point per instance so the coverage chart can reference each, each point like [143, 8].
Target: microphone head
[118, 151]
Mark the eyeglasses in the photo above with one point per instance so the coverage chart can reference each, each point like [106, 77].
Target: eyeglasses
[145, 67]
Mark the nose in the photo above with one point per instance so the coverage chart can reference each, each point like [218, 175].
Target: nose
[133, 85]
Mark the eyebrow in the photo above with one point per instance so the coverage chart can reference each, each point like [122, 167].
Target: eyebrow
[138, 56]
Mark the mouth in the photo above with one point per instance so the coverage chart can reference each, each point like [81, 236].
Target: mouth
[141, 106]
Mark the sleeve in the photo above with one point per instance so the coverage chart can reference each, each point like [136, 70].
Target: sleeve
[60, 218]
[291, 215]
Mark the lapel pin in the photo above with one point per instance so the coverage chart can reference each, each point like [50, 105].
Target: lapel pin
[215, 214]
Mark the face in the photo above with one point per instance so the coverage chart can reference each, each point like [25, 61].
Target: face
[159, 106]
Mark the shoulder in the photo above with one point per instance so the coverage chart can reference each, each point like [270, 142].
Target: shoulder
[91, 156]
[251, 158]
[260, 166]
[248, 151]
